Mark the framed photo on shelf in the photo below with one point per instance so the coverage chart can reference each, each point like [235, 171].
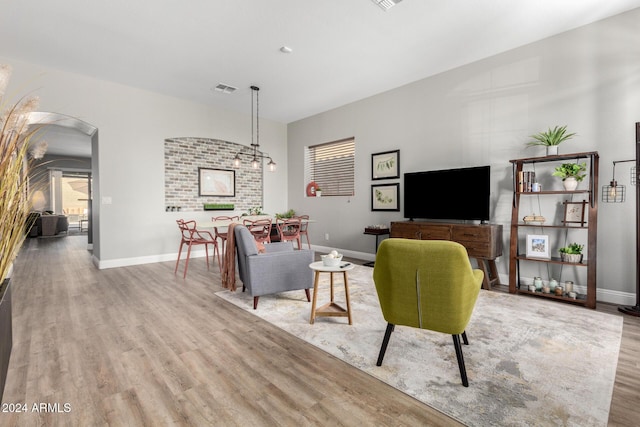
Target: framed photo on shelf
[385, 197]
[385, 165]
[538, 246]
[574, 212]
[216, 182]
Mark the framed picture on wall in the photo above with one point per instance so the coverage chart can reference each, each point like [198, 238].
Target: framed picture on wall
[385, 165]
[538, 246]
[216, 182]
[385, 197]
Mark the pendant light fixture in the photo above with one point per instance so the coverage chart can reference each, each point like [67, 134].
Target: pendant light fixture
[255, 153]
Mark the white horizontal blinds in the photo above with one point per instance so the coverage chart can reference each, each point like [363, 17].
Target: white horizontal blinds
[332, 167]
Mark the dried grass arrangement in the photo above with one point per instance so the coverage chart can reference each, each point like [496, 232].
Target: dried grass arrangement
[18, 146]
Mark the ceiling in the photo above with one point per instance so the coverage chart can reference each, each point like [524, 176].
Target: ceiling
[342, 51]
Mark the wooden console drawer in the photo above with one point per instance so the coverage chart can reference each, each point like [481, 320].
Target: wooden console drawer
[420, 231]
[476, 249]
[471, 234]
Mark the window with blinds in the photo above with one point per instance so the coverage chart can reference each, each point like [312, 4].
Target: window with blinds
[332, 167]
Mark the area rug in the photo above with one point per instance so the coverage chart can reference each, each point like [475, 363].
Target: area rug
[529, 362]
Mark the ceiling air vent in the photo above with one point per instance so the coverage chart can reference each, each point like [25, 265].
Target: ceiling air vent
[221, 87]
[386, 4]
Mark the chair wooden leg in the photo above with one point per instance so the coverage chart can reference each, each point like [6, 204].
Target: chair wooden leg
[306, 291]
[255, 302]
[217, 250]
[186, 264]
[464, 338]
[178, 261]
[463, 371]
[385, 342]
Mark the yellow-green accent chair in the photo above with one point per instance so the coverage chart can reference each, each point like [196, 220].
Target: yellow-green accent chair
[427, 284]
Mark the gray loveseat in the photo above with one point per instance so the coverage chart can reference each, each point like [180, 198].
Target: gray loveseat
[279, 269]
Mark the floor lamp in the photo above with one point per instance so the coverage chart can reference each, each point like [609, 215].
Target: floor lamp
[635, 309]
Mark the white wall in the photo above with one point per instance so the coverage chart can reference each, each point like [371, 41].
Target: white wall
[482, 113]
[132, 126]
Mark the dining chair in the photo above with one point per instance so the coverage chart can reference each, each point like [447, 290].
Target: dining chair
[222, 235]
[260, 229]
[289, 230]
[304, 224]
[191, 236]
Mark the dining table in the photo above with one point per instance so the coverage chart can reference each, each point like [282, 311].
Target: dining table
[223, 223]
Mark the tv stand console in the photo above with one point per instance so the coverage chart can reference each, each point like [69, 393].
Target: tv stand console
[483, 242]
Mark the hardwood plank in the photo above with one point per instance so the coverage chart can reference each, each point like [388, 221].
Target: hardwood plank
[139, 346]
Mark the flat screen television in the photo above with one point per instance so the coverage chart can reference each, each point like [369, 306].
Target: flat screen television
[449, 194]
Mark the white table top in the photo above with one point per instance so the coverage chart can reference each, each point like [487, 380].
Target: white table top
[343, 266]
[226, 222]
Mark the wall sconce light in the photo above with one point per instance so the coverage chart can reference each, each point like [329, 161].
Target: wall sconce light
[255, 154]
[614, 193]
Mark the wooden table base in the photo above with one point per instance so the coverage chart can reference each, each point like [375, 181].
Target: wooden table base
[330, 309]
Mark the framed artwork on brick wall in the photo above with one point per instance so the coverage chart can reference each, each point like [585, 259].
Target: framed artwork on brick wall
[217, 182]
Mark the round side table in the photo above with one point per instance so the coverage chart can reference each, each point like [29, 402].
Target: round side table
[330, 309]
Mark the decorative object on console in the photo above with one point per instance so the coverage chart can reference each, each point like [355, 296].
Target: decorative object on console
[385, 197]
[551, 139]
[255, 153]
[385, 165]
[318, 192]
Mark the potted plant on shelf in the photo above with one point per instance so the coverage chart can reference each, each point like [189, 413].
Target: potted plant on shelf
[318, 192]
[571, 253]
[551, 139]
[571, 174]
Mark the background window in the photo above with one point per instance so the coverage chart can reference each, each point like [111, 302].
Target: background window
[331, 167]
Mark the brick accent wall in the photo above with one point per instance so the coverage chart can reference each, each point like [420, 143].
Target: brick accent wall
[182, 158]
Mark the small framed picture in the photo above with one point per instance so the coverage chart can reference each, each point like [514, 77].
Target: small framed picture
[216, 182]
[385, 165]
[385, 197]
[538, 246]
[574, 212]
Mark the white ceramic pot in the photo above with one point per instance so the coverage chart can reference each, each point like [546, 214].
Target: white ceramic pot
[318, 193]
[552, 150]
[570, 183]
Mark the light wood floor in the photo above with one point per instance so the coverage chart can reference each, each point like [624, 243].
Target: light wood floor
[140, 346]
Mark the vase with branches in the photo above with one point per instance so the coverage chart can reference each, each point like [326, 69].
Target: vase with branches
[18, 146]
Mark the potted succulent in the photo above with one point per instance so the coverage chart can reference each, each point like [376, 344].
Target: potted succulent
[551, 139]
[571, 253]
[318, 192]
[571, 174]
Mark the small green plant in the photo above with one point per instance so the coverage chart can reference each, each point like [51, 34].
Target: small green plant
[575, 170]
[288, 214]
[572, 249]
[257, 210]
[551, 137]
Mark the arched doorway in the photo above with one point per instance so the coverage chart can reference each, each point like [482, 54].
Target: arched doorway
[70, 136]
